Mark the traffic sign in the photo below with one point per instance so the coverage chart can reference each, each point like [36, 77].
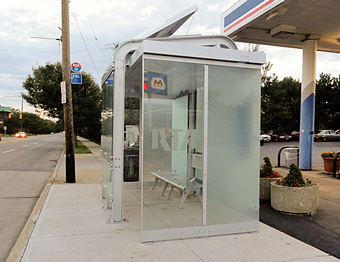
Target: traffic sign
[76, 78]
[76, 67]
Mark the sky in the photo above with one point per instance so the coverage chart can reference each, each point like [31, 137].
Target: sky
[95, 25]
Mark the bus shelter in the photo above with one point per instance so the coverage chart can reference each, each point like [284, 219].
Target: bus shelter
[181, 120]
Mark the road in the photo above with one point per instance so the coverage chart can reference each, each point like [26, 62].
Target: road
[26, 164]
[271, 150]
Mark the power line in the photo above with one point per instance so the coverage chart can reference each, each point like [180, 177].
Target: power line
[95, 37]
[9, 77]
[88, 52]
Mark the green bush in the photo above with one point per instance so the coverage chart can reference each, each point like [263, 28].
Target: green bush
[294, 178]
[267, 171]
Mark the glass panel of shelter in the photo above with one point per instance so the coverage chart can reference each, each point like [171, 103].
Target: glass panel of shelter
[107, 134]
[133, 92]
[172, 144]
[164, 102]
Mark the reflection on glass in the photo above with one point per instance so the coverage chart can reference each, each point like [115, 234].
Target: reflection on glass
[133, 93]
[172, 144]
[233, 151]
[107, 132]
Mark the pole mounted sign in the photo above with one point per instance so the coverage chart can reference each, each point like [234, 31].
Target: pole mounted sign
[76, 78]
[63, 92]
[76, 67]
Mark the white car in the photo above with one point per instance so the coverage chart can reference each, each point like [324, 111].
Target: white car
[265, 138]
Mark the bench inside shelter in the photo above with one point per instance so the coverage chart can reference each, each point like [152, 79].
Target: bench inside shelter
[188, 185]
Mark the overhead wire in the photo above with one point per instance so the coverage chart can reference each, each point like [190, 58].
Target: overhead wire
[88, 52]
[94, 35]
[9, 77]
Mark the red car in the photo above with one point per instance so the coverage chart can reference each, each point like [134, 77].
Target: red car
[21, 135]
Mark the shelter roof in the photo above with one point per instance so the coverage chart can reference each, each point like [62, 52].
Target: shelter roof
[170, 26]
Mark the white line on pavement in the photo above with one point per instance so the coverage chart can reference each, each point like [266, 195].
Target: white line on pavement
[36, 143]
[26, 146]
[5, 152]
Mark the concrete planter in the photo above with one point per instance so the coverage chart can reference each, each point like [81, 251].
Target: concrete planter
[295, 200]
[265, 187]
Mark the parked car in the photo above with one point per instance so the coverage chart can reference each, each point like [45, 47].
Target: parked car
[21, 135]
[327, 135]
[281, 137]
[295, 135]
[265, 137]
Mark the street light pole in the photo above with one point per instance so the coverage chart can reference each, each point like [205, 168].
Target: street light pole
[22, 109]
[68, 109]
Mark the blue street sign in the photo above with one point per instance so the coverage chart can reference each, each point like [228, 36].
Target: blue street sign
[76, 78]
[109, 81]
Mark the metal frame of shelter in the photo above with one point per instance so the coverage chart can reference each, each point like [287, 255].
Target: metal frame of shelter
[311, 25]
[199, 80]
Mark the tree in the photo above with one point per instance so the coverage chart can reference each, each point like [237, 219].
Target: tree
[44, 94]
[327, 106]
[280, 104]
[31, 123]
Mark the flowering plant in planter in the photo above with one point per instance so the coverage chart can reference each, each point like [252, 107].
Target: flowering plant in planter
[328, 162]
[267, 175]
[293, 194]
[294, 178]
[328, 154]
[267, 169]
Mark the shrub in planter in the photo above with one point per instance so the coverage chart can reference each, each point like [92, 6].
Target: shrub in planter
[294, 194]
[328, 162]
[267, 175]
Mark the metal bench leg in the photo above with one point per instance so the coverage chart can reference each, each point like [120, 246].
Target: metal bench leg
[164, 188]
[154, 183]
[184, 197]
[171, 189]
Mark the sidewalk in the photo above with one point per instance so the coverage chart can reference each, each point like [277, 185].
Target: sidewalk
[71, 225]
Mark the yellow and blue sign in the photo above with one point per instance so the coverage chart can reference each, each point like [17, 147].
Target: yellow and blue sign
[155, 83]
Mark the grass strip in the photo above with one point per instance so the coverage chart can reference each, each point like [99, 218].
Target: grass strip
[81, 149]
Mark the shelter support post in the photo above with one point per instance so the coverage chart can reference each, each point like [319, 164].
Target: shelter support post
[307, 104]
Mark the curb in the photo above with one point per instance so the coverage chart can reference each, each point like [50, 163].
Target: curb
[19, 248]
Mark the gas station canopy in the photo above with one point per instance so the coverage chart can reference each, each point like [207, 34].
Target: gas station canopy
[286, 23]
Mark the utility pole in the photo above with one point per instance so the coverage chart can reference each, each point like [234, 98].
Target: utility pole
[68, 109]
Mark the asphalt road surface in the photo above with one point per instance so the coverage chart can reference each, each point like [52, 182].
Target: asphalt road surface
[321, 230]
[271, 150]
[26, 164]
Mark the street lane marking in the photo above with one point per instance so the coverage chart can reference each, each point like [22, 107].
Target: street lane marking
[5, 152]
[26, 146]
[36, 143]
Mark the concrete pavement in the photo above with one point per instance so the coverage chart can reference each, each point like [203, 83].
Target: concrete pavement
[69, 224]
